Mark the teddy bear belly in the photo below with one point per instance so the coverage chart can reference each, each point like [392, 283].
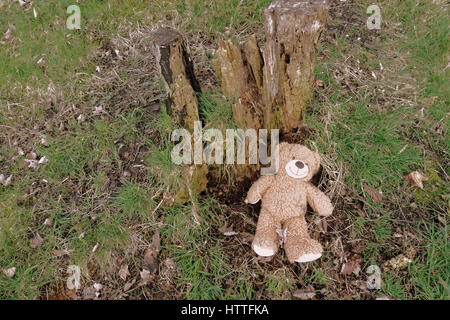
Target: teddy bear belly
[284, 208]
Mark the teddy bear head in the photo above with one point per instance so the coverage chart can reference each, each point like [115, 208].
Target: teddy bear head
[297, 161]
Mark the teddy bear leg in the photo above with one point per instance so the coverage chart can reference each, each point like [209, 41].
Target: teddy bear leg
[265, 242]
[299, 246]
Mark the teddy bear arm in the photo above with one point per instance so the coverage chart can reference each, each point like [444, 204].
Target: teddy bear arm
[258, 188]
[319, 201]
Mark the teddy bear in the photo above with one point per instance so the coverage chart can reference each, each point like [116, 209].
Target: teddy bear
[284, 197]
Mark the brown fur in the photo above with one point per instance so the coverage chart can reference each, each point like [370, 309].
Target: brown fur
[284, 203]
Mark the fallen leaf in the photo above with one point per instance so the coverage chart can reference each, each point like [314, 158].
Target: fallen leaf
[5, 181]
[305, 294]
[416, 178]
[43, 160]
[151, 262]
[227, 230]
[32, 163]
[146, 276]
[123, 272]
[47, 222]
[98, 286]
[376, 195]
[61, 253]
[89, 293]
[36, 241]
[81, 118]
[128, 285]
[10, 272]
[352, 265]
[399, 262]
[98, 111]
[7, 34]
[44, 142]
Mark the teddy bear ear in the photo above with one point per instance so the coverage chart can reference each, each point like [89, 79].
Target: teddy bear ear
[283, 146]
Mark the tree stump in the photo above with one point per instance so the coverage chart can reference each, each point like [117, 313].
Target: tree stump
[292, 30]
[240, 72]
[272, 88]
[177, 71]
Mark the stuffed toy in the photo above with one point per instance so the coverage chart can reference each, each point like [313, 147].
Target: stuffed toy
[284, 197]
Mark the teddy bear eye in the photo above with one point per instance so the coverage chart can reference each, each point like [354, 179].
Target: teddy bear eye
[293, 157]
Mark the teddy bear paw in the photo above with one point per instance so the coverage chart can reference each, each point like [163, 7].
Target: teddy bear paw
[263, 252]
[308, 257]
[248, 202]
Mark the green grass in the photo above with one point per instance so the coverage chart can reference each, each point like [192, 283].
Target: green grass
[89, 201]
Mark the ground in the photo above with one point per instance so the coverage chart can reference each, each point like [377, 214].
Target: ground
[84, 135]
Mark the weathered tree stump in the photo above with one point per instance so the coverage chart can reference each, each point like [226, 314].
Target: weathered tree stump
[292, 30]
[177, 70]
[272, 88]
[240, 72]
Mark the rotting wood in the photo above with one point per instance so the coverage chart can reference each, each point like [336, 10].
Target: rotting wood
[177, 71]
[241, 77]
[292, 30]
[273, 84]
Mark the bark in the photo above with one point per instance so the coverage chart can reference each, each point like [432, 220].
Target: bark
[240, 72]
[273, 85]
[177, 70]
[292, 30]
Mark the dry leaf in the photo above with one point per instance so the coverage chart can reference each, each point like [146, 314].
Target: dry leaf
[10, 272]
[227, 230]
[128, 285]
[98, 111]
[416, 178]
[89, 293]
[305, 294]
[61, 253]
[151, 262]
[47, 222]
[5, 181]
[81, 118]
[32, 163]
[376, 195]
[44, 142]
[399, 262]
[43, 160]
[352, 265]
[123, 272]
[145, 277]
[36, 241]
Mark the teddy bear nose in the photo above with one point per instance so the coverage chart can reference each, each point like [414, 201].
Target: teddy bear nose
[299, 164]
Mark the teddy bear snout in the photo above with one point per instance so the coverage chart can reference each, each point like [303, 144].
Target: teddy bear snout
[299, 164]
